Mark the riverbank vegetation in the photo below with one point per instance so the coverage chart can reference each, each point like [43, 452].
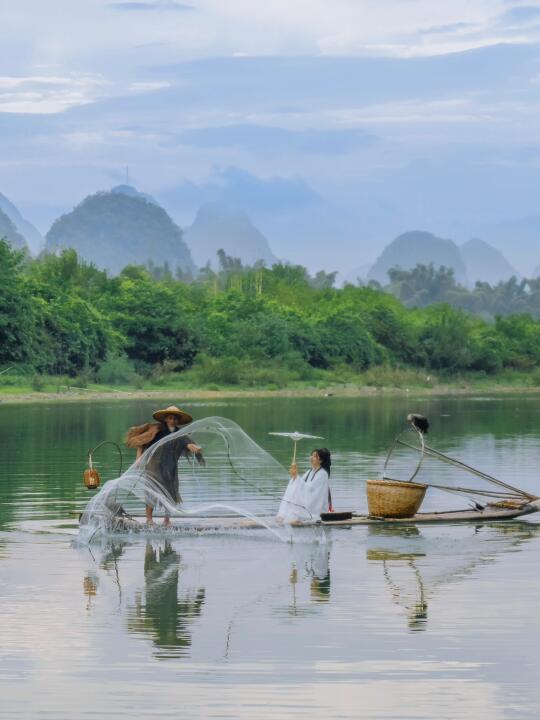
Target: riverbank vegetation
[426, 285]
[64, 323]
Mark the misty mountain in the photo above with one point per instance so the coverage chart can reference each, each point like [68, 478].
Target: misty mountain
[485, 263]
[33, 238]
[355, 276]
[218, 227]
[519, 238]
[9, 232]
[418, 247]
[115, 229]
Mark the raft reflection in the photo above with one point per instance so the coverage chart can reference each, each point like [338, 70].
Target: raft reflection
[413, 578]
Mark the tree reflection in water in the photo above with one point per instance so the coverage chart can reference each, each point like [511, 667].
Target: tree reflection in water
[158, 612]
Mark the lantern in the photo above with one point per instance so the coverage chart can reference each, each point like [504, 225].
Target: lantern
[91, 477]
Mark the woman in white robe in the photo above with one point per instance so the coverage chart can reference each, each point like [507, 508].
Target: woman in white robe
[308, 496]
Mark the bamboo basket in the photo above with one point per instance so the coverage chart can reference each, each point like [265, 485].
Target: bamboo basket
[394, 499]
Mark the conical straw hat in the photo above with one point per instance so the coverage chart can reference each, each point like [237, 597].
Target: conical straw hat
[183, 417]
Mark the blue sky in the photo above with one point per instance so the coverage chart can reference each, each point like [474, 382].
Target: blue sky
[335, 124]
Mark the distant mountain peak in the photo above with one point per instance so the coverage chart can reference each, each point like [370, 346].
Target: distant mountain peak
[485, 263]
[9, 232]
[418, 247]
[32, 238]
[132, 191]
[115, 229]
[218, 226]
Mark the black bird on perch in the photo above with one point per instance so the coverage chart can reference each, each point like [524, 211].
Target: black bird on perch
[419, 422]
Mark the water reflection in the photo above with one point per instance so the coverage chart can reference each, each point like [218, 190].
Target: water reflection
[90, 586]
[416, 570]
[158, 612]
[310, 565]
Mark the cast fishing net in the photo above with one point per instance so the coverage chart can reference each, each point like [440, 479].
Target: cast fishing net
[236, 476]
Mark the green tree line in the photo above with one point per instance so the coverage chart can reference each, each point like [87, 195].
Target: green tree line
[61, 316]
[425, 285]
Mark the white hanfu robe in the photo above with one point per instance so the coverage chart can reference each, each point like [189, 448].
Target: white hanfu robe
[306, 497]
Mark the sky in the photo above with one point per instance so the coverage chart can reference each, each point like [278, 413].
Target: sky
[335, 124]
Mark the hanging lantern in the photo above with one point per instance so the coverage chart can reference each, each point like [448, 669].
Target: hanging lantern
[91, 477]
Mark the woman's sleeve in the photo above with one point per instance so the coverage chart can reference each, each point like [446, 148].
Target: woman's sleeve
[317, 492]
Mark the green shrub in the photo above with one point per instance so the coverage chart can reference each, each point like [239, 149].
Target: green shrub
[8, 380]
[384, 376]
[38, 383]
[116, 370]
[535, 377]
[219, 371]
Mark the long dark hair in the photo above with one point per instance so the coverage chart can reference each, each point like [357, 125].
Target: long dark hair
[325, 458]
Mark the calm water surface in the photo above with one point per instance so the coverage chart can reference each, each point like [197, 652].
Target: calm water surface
[429, 622]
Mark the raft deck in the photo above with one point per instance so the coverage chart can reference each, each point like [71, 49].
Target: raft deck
[452, 516]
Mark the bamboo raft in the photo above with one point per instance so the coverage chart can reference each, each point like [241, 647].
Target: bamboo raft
[391, 501]
[220, 523]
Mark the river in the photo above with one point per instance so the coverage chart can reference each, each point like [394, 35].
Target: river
[366, 622]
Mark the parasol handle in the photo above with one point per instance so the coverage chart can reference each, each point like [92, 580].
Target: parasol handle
[294, 452]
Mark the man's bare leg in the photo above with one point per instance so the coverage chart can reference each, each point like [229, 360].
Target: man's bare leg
[149, 514]
[166, 521]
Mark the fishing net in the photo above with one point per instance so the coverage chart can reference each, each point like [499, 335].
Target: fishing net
[233, 468]
[412, 459]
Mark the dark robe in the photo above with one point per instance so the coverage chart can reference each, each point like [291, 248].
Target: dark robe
[163, 466]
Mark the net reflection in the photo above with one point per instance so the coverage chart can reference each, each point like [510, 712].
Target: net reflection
[158, 612]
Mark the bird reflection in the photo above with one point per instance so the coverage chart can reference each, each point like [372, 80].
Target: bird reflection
[158, 612]
[413, 577]
[415, 602]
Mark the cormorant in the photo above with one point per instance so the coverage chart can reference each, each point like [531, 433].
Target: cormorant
[420, 422]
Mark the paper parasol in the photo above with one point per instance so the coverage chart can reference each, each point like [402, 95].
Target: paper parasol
[295, 437]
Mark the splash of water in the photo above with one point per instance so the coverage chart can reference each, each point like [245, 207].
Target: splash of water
[232, 458]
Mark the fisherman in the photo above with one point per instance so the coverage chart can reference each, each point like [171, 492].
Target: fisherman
[163, 465]
[308, 496]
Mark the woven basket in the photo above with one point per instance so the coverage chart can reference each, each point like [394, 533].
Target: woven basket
[393, 499]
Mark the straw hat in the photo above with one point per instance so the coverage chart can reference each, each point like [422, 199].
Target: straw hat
[183, 417]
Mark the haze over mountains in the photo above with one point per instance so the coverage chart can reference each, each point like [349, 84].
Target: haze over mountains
[125, 226]
[10, 232]
[31, 235]
[412, 248]
[485, 263]
[218, 227]
[475, 260]
[330, 148]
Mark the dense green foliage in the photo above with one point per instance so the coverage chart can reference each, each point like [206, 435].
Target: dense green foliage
[112, 229]
[240, 325]
[426, 285]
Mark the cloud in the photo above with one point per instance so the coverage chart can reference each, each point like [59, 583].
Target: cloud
[237, 187]
[159, 5]
[521, 15]
[445, 29]
[276, 139]
[43, 94]
[146, 86]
